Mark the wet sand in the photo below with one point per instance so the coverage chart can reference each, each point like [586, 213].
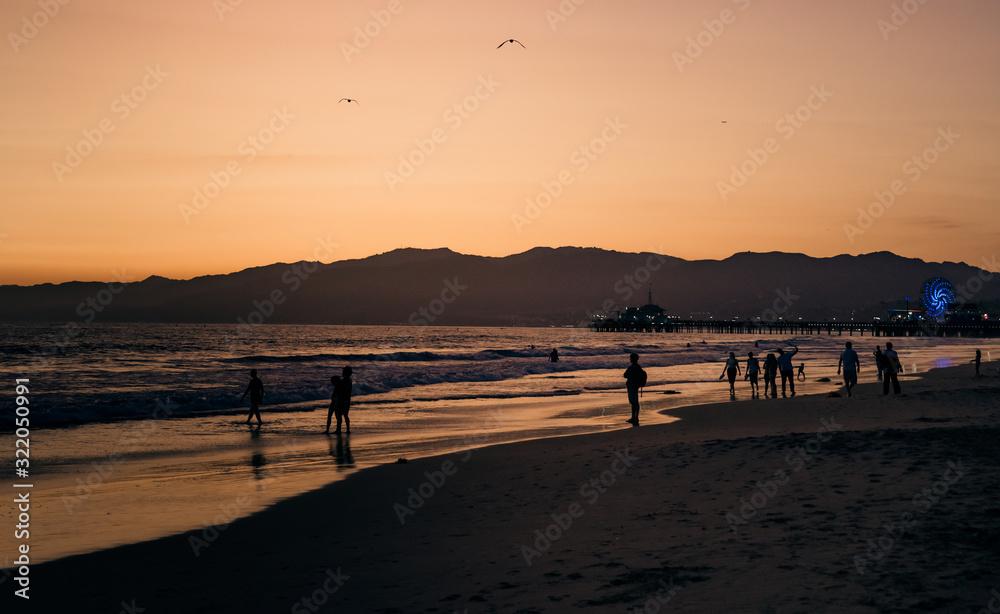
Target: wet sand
[806, 504]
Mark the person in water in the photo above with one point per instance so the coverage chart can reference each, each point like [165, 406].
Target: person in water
[732, 369]
[256, 390]
[335, 381]
[343, 394]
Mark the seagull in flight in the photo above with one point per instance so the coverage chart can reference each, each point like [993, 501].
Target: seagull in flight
[512, 40]
[350, 100]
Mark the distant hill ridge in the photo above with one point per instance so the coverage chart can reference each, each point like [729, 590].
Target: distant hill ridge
[540, 287]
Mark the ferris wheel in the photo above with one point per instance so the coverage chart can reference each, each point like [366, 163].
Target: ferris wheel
[935, 295]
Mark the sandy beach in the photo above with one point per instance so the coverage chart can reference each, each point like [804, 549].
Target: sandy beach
[805, 504]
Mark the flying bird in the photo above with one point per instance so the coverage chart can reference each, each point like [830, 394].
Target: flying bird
[512, 40]
[350, 100]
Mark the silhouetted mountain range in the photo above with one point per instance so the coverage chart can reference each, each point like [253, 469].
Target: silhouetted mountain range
[543, 286]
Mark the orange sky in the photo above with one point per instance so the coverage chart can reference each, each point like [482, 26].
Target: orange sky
[617, 107]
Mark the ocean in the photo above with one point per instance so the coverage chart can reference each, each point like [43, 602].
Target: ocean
[143, 423]
[109, 372]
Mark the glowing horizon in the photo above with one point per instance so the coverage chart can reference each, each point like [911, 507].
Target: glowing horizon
[202, 138]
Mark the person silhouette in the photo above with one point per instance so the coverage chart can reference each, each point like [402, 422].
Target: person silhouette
[802, 371]
[771, 375]
[554, 355]
[731, 368]
[852, 365]
[786, 369]
[343, 394]
[878, 361]
[753, 369]
[978, 359]
[635, 378]
[335, 380]
[256, 390]
[890, 363]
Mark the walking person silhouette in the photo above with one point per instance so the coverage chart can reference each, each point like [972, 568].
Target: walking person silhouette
[732, 369]
[891, 365]
[753, 368]
[256, 390]
[852, 365]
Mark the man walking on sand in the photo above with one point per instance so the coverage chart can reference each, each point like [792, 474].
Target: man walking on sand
[787, 369]
[635, 378]
[256, 390]
[851, 364]
[890, 363]
[753, 368]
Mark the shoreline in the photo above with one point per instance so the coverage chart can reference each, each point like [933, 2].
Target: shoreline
[484, 509]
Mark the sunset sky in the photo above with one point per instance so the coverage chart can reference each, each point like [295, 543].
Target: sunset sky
[195, 137]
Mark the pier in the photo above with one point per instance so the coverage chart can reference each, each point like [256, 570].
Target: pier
[800, 327]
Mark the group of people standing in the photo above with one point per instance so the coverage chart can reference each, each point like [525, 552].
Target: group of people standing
[886, 364]
[773, 365]
[340, 399]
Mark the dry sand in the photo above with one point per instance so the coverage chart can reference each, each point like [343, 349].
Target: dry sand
[806, 504]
